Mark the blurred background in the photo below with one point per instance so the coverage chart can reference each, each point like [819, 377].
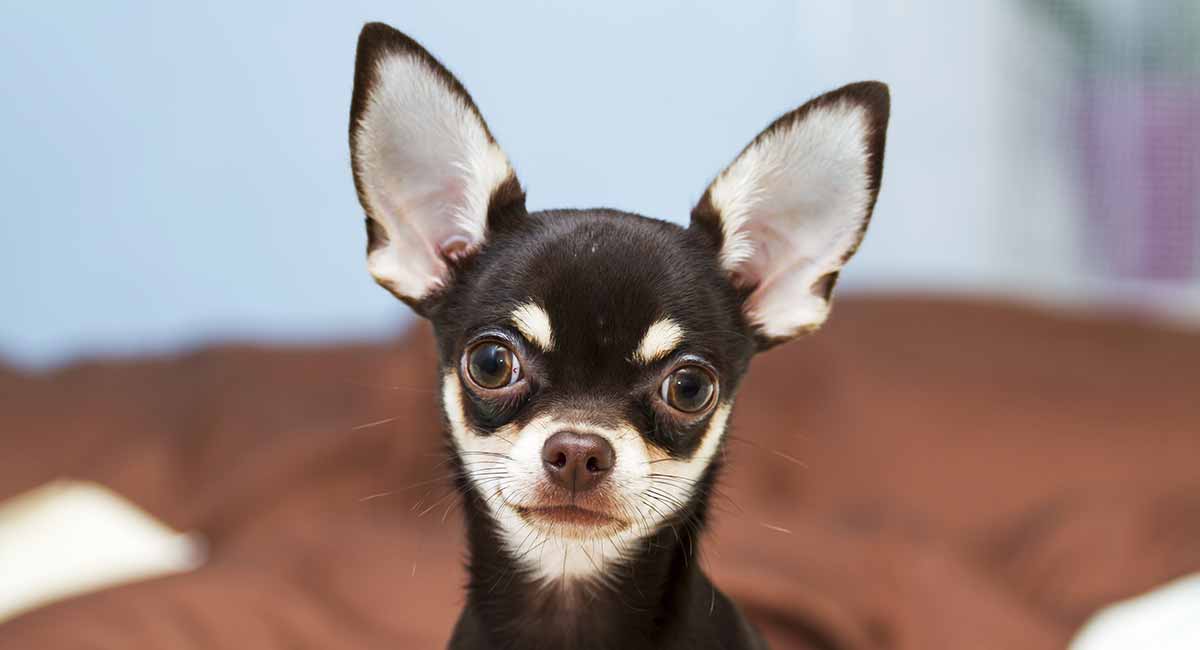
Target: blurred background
[178, 174]
[995, 439]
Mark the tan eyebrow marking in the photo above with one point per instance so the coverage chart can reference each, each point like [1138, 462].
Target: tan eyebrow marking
[660, 339]
[534, 324]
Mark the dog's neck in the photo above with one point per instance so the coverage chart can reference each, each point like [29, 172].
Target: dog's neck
[659, 598]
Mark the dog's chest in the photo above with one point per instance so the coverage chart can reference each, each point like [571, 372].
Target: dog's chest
[587, 620]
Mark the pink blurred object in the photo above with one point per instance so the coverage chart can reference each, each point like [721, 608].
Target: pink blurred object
[1140, 148]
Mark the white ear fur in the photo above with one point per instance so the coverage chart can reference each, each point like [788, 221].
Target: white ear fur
[425, 165]
[793, 207]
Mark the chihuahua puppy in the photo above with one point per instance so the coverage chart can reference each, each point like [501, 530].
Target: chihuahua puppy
[590, 358]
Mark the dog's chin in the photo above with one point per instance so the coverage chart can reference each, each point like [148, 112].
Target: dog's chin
[570, 521]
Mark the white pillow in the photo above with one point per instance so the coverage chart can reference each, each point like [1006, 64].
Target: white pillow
[69, 537]
[1167, 618]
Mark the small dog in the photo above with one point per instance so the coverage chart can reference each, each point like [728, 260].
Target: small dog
[590, 358]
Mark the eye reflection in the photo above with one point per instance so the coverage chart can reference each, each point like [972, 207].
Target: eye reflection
[689, 389]
[493, 365]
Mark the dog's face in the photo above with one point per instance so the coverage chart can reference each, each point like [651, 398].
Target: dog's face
[590, 358]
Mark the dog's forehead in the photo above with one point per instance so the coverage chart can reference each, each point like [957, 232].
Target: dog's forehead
[598, 288]
[601, 282]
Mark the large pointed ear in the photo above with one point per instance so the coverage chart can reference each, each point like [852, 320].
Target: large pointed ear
[428, 173]
[789, 212]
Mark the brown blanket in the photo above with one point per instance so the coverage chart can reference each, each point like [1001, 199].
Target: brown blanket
[923, 474]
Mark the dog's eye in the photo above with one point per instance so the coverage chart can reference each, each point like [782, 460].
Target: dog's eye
[689, 389]
[493, 365]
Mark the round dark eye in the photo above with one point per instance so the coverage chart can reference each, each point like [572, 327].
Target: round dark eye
[689, 389]
[493, 365]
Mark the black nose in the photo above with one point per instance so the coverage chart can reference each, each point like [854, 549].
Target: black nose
[577, 461]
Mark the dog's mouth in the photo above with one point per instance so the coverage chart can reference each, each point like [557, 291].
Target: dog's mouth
[571, 520]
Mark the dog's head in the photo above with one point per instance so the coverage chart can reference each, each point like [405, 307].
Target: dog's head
[590, 357]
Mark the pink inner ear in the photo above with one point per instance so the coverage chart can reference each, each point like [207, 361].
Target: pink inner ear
[752, 271]
[742, 280]
[451, 242]
[455, 247]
